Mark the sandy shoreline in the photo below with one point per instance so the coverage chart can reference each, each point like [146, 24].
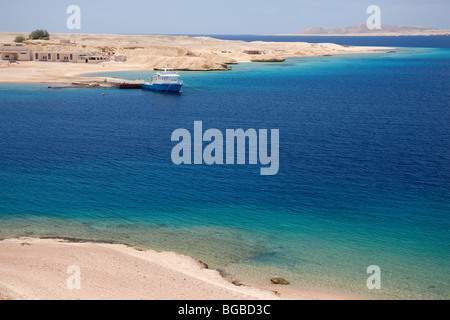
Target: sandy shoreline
[33, 269]
[37, 269]
[145, 53]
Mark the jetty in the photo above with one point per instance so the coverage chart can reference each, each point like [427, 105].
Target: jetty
[115, 83]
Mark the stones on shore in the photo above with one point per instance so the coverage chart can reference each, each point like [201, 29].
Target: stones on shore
[279, 281]
[237, 283]
[89, 84]
[219, 67]
[203, 265]
[268, 59]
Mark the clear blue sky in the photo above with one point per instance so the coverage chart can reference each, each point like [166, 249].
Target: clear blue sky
[216, 17]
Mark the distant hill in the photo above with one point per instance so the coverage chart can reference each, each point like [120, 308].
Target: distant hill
[362, 30]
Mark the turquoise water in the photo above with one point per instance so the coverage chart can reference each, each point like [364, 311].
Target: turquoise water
[364, 171]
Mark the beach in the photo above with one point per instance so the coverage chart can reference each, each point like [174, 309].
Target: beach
[39, 269]
[147, 52]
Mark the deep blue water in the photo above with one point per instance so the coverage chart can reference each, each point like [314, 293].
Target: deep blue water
[400, 41]
[364, 170]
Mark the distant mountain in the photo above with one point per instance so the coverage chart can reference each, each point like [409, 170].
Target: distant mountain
[362, 30]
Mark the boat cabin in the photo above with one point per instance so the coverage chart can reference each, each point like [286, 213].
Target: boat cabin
[165, 78]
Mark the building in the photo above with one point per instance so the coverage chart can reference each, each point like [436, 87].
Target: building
[54, 56]
[86, 58]
[19, 52]
[14, 52]
[120, 58]
[253, 52]
[68, 57]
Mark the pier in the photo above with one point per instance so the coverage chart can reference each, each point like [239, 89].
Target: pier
[116, 83]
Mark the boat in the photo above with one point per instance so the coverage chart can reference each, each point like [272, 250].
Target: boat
[165, 81]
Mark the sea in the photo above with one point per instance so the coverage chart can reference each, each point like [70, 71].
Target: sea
[364, 177]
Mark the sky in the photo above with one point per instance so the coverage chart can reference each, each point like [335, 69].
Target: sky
[215, 17]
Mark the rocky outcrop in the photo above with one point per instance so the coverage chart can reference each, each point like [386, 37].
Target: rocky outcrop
[362, 29]
[267, 59]
[280, 281]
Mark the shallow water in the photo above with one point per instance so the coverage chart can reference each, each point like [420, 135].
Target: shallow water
[364, 170]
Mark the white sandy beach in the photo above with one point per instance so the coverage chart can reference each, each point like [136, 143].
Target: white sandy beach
[36, 269]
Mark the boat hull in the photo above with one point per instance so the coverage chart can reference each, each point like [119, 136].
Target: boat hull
[177, 87]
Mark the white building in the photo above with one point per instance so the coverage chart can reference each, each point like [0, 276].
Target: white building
[14, 52]
[19, 52]
[54, 56]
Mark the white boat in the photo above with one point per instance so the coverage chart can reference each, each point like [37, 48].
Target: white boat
[166, 81]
